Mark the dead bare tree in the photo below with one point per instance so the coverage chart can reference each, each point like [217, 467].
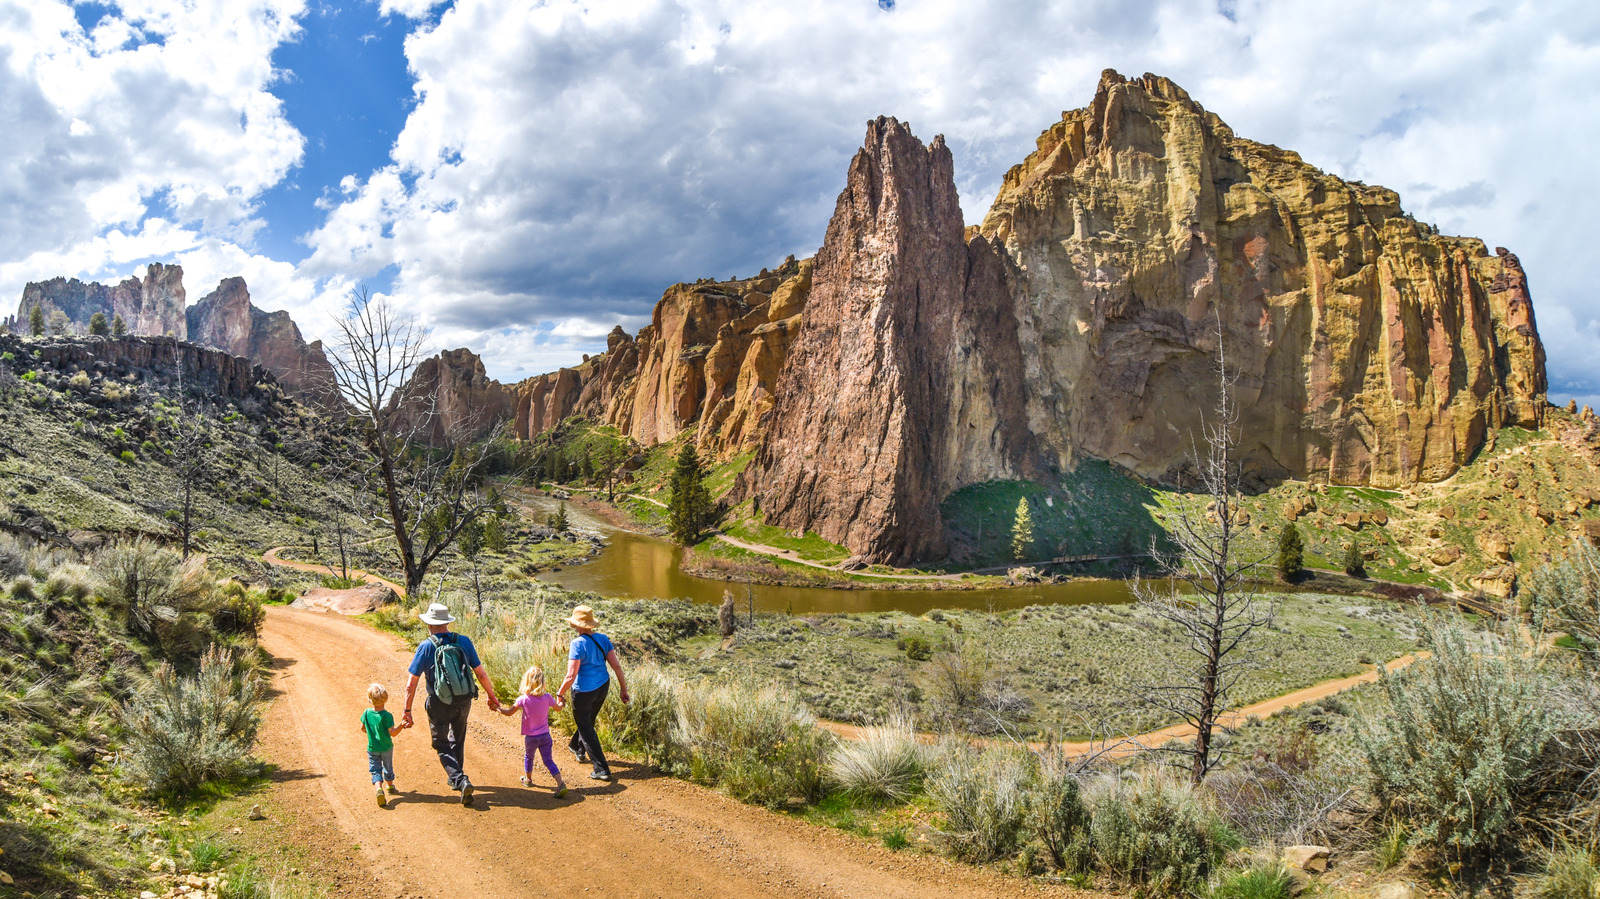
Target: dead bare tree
[1222, 611]
[429, 495]
[192, 464]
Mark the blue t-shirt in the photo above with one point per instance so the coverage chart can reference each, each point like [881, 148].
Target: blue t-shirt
[592, 673]
[422, 662]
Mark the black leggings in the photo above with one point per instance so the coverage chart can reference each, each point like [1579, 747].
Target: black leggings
[585, 709]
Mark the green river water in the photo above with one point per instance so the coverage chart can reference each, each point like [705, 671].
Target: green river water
[638, 566]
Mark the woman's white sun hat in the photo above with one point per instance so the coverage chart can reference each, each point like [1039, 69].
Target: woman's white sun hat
[438, 613]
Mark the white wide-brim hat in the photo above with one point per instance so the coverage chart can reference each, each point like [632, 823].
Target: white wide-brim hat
[438, 613]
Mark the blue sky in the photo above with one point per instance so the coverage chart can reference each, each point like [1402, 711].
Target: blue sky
[526, 174]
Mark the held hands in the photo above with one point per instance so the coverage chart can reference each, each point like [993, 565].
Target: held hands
[494, 703]
[405, 720]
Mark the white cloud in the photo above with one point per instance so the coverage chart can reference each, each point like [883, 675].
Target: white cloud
[144, 138]
[569, 160]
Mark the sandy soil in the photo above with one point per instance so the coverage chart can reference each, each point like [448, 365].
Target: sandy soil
[273, 557]
[644, 835]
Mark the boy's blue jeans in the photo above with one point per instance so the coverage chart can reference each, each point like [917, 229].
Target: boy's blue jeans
[381, 764]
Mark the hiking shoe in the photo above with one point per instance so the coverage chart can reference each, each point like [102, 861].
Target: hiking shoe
[394, 790]
[581, 756]
[600, 775]
[466, 793]
[383, 801]
[561, 793]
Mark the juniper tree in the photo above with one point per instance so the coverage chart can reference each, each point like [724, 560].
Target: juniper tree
[1354, 564]
[119, 328]
[59, 323]
[1022, 531]
[36, 321]
[690, 510]
[1291, 553]
[98, 326]
[1220, 613]
[494, 533]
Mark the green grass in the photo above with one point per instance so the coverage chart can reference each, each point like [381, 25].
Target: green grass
[810, 546]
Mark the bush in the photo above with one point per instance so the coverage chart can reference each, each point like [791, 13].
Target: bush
[1565, 596]
[159, 593]
[1262, 881]
[645, 725]
[1156, 833]
[79, 381]
[1355, 564]
[1463, 734]
[1569, 872]
[240, 614]
[1291, 553]
[182, 731]
[983, 797]
[885, 764]
[127, 456]
[1058, 816]
[758, 742]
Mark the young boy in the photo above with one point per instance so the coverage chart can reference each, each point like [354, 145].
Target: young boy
[380, 729]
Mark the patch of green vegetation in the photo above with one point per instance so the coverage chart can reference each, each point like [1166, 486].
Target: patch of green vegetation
[809, 546]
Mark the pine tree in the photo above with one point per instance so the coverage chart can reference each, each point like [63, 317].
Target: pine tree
[119, 328]
[59, 323]
[1354, 564]
[494, 534]
[97, 325]
[1291, 553]
[689, 510]
[560, 522]
[36, 321]
[1022, 531]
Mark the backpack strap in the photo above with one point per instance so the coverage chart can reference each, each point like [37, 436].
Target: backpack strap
[598, 646]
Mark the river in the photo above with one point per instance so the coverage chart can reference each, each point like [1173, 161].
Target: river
[639, 566]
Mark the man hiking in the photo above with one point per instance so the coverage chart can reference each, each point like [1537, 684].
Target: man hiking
[448, 661]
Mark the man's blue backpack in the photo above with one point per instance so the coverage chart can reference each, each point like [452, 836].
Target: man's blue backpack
[452, 679]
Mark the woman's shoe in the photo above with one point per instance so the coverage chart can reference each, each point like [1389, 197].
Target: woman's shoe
[561, 793]
[527, 781]
[581, 756]
[600, 775]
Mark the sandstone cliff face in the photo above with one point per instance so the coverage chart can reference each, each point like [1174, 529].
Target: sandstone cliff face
[1369, 348]
[227, 320]
[1082, 321]
[450, 399]
[151, 307]
[708, 363]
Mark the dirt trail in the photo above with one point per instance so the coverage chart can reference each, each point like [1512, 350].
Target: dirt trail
[789, 555]
[645, 835]
[272, 557]
[1264, 709]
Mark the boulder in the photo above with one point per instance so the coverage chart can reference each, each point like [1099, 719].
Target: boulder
[1446, 555]
[1311, 859]
[354, 601]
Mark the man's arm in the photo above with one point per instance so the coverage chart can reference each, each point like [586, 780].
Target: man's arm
[622, 682]
[483, 678]
[411, 691]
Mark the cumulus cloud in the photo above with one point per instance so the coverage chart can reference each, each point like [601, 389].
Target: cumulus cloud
[144, 137]
[568, 160]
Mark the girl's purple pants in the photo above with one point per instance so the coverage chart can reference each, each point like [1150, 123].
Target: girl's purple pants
[540, 743]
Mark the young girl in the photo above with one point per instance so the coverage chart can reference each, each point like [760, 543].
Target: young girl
[535, 705]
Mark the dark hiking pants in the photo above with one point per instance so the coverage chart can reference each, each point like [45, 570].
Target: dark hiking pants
[585, 709]
[447, 725]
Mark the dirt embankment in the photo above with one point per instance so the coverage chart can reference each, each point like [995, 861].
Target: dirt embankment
[645, 835]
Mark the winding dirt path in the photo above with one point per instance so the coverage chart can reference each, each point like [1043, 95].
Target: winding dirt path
[789, 555]
[273, 557]
[644, 835]
[1130, 745]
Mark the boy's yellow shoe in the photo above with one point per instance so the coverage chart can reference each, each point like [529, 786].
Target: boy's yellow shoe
[383, 801]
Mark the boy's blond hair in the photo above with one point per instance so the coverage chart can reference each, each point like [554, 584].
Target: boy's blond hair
[377, 693]
[533, 681]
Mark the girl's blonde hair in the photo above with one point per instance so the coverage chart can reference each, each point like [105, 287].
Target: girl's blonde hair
[533, 681]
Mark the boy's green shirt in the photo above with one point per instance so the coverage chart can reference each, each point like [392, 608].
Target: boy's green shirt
[378, 725]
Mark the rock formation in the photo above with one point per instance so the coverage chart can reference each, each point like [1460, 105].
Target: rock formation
[449, 399]
[162, 362]
[152, 307]
[708, 362]
[226, 319]
[1082, 320]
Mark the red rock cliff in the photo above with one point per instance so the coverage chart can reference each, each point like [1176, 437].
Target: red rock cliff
[151, 307]
[226, 319]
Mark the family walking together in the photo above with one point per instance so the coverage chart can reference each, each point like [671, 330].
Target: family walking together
[448, 664]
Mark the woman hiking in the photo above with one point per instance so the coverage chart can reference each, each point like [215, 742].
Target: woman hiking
[589, 683]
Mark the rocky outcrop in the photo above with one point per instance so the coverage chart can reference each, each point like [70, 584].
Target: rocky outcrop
[151, 307]
[163, 363]
[449, 400]
[708, 362]
[1084, 319]
[226, 319]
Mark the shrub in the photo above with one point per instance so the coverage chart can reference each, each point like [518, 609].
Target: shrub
[1058, 816]
[79, 381]
[758, 742]
[916, 648]
[1291, 553]
[1285, 793]
[1569, 872]
[982, 797]
[1355, 564]
[127, 456]
[183, 731]
[645, 725]
[1261, 881]
[1155, 832]
[239, 613]
[1565, 596]
[159, 593]
[1392, 845]
[887, 763]
[149, 448]
[1463, 734]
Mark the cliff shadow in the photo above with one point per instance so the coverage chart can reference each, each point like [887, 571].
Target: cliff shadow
[1096, 510]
